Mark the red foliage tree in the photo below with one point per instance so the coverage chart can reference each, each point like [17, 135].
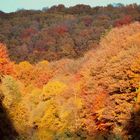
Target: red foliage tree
[28, 32]
[123, 21]
[61, 29]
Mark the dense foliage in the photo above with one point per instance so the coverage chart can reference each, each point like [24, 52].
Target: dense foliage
[91, 98]
[60, 32]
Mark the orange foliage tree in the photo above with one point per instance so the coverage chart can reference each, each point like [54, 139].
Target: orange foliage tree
[6, 67]
[42, 73]
[115, 70]
[23, 72]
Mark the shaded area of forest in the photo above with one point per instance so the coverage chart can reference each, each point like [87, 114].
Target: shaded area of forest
[7, 130]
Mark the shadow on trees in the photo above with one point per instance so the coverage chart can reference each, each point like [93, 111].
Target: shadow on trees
[7, 131]
[133, 125]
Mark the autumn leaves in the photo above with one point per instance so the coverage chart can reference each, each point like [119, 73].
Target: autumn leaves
[94, 95]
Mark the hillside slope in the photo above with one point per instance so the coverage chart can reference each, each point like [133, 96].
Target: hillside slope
[60, 32]
[93, 97]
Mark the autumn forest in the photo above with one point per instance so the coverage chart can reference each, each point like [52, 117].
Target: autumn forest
[70, 73]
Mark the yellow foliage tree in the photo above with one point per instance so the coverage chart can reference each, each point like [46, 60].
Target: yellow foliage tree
[24, 72]
[20, 116]
[53, 88]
